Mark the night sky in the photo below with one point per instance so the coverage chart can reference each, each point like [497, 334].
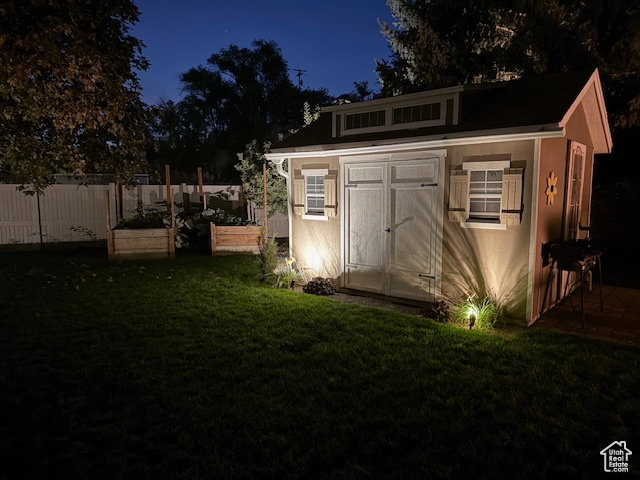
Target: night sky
[335, 41]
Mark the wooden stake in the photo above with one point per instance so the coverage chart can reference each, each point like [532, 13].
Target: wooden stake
[213, 238]
[172, 230]
[167, 174]
[118, 194]
[172, 210]
[264, 178]
[109, 237]
[200, 185]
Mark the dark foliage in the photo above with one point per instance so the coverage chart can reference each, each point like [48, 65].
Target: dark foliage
[319, 286]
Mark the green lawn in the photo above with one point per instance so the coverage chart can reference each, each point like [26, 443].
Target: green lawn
[191, 369]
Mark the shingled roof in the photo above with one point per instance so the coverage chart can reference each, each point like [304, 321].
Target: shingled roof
[535, 104]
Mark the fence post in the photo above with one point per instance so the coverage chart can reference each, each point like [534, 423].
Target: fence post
[201, 187]
[264, 179]
[39, 220]
[167, 174]
[172, 230]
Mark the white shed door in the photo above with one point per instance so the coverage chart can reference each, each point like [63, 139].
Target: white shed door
[392, 227]
[415, 209]
[366, 241]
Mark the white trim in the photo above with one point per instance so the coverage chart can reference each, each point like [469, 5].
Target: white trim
[441, 142]
[440, 219]
[282, 172]
[574, 147]
[280, 168]
[441, 120]
[287, 181]
[594, 81]
[411, 98]
[532, 233]
[486, 226]
[342, 193]
[315, 172]
[388, 109]
[309, 216]
[488, 165]
[391, 157]
[439, 156]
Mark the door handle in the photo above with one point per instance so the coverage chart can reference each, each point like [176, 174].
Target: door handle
[387, 230]
[427, 276]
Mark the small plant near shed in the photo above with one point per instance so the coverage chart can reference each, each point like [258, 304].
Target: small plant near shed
[440, 312]
[319, 286]
[481, 313]
[288, 275]
[268, 257]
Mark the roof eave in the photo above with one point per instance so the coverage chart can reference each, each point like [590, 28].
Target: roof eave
[594, 81]
[430, 141]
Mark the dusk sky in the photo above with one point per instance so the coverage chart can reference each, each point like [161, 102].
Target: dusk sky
[336, 42]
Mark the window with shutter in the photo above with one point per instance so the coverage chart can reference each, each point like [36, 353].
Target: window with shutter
[298, 195]
[458, 194]
[315, 194]
[486, 195]
[511, 210]
[330, 195]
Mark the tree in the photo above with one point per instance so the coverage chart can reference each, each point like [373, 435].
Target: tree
[360, 93]
[250, 167]
[438, 43]
[69, 93]
[242, 94]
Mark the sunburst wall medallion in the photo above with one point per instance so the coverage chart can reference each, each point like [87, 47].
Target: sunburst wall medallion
[552, 187]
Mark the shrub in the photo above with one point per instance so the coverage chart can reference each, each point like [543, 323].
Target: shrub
[268, 257]
[157, 218]
[440, 312]
[485, 311]
[319, 286]
[287, 275]
[145, 218]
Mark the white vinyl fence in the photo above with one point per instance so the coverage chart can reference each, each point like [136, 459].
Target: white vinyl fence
[72, 213]
[64, 213]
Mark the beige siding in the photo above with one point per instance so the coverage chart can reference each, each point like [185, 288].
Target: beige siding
[493, 262]
[316, 243]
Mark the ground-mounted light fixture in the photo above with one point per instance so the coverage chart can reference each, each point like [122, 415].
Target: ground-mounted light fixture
[472, 318]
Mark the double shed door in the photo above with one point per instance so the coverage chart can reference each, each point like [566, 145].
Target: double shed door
[393, 227]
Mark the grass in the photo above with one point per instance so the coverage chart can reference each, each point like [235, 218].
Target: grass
[191, 369]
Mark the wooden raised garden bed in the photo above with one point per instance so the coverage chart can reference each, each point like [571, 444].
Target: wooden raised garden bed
[140, 242]
[147, 242]
[235, 239]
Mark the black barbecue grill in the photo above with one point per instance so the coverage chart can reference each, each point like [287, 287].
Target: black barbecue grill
[581, 257]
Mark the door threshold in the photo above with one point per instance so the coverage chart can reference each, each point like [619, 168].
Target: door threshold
[385, 298]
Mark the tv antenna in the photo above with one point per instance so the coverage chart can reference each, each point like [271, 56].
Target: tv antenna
[299, 73]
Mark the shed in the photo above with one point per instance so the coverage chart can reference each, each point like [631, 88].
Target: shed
[445, 192]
